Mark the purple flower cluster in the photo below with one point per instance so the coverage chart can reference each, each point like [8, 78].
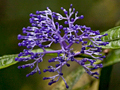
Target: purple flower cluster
[45, 30]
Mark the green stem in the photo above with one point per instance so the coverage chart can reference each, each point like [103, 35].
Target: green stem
[105, 78]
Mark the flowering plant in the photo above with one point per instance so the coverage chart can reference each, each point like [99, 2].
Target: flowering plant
[46, 30]
[71, 51]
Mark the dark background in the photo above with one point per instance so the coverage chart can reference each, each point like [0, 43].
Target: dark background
[14, 14]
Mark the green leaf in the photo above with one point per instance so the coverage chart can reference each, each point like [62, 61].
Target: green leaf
[113, 34]
[112, 45]
[113, 38]
[8, 60]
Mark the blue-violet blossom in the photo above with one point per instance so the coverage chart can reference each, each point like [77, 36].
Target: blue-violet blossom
[45, 28]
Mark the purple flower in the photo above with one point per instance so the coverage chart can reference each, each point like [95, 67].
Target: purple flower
[45, 30]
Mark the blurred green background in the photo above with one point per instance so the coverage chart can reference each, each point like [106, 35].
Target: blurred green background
[14, 14]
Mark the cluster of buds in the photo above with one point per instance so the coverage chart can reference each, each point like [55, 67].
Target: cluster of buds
[45, 30]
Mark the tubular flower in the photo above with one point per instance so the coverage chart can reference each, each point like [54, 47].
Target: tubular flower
[45, 30]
